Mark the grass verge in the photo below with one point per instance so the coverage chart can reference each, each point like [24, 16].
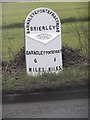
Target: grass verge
[68, 79]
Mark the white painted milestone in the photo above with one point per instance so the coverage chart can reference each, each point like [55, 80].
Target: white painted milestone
[43, 49]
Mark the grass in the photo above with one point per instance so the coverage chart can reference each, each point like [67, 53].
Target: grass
[72, 78]
[12, 42]
[64, 10]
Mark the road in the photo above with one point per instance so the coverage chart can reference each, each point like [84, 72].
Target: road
[70, 108]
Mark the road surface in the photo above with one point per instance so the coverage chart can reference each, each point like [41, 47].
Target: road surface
[70, 108]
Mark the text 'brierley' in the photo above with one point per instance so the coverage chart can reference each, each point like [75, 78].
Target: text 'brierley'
[41, 11]
[42, 28]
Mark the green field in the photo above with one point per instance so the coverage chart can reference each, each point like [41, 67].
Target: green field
[74, 18]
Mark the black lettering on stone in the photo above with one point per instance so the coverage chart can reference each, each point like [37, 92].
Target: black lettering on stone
[33, 69]
[31, 15]
[28, 32]
[35, 60]
[53, 27]
[28, 19]
[26, 52]
[46, 28]
[56, 67]
[59, 67]
[50, 27]
[48, 12]
[57, 30]
[36, 70]
[35, 28]
[30, 69]
[27, 22]
[43, 10]
[31, 28]
[49, 69]
[43, 70]
[54, 59]
[53, 14]
[35, 12]
[39, 69]
[39, 28]
[43, 28]
[27, 26]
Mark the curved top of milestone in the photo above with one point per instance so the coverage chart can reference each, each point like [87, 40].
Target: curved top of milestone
[42, 20]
